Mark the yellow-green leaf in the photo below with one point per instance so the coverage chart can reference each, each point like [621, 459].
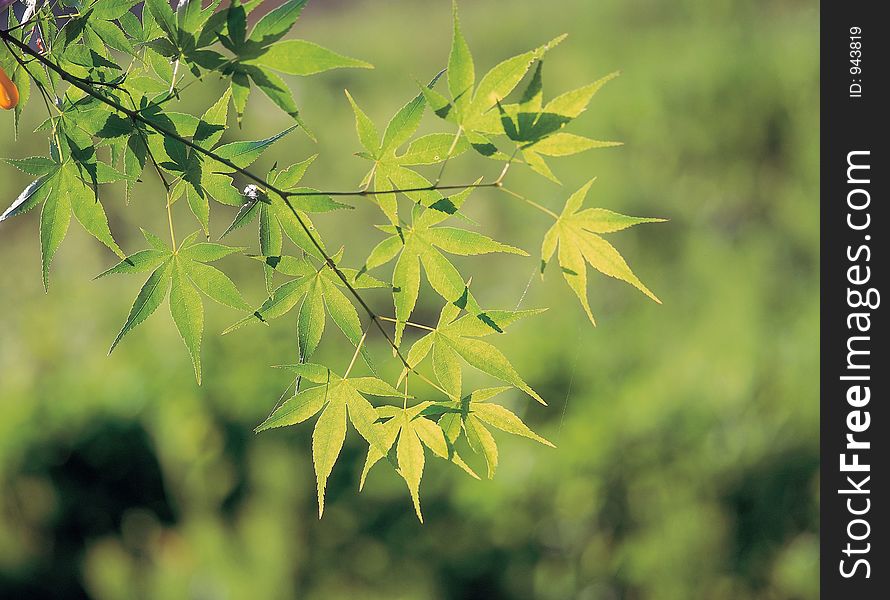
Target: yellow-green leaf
[327, 440]
[409, 453]
[299, 57]
[575, 233]
[505, 420]
[300, 407]
[461, 72]
[188, 314]
[147, 301]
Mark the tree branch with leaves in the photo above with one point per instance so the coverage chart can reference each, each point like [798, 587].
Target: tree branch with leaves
[109, 74]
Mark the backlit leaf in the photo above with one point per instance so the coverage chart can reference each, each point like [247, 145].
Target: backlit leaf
[188, 314]
[461, 71]
[575, 233]
[327, 440]
[215, 284]
[364, 127]
[147, 301]
[299, 57]
[54, 220]
[242, 154]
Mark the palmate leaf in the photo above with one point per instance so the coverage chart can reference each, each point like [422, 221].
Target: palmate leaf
[62, 189]
[455, 340]
[202, 178]
[318, 292]
[184, 34]
[423, 244]
[243, 154]
[188, 313]
[472, 106]
[276, 218]
[183, 273]
[335, 397]
[110, 34]
[576, 236]
[414, 432]
[390, 169]
[399, 130]
[261, 54]
[473, 414]
[537, 128]
[299, 57]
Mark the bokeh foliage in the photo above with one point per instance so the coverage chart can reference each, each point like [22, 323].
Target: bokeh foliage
[687, 433]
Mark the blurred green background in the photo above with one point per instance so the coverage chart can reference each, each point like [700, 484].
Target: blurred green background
[687, 433]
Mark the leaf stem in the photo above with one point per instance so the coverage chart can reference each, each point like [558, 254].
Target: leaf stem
[409, 323]
[405, 397]
[173, 79]
[460, 130]
[170, 221]
[360, 192]
[506, 166]
[358, 348]
[540, 207]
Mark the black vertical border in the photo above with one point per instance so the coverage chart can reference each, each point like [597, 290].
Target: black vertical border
[852, 124]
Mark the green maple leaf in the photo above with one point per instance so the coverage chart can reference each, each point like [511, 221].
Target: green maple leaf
[102, 24]
[276, 219]
[472, 106]
[414, 433]
[456, 340]
[390, 168]
[423, 244]
[335, 398]
[200, 177]
[67, 183]
[576, 235]
[197, 177]
[537, 127]
[183, 273]
[473, 415]
[318, 291]
[260, 55]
